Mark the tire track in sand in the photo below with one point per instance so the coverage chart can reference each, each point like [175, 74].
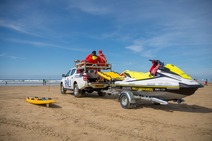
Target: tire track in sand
[89, 123]
[154, 123]
[34, 128]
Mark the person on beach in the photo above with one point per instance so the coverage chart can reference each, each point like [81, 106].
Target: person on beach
[92, 58]
[44, 82]
[101, 57]
[206, 82]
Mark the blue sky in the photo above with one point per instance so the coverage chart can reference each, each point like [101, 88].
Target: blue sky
[41, 38]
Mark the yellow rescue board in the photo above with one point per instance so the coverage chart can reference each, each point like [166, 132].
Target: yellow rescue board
[137, 75]
[40, 101]
[110, 75]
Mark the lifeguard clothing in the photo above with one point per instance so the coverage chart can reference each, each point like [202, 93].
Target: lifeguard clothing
[101, 57]
[92, 59]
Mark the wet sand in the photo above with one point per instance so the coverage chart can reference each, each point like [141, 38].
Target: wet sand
[94, 118]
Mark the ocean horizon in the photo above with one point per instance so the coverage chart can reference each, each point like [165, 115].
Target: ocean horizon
[42, 82]
[29, 82]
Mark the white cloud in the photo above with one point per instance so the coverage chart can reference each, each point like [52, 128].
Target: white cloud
[135, 48]
[150, 46]
[139, 48]
[4, 55]
[19, 27]
[94, 7]
[45, 45]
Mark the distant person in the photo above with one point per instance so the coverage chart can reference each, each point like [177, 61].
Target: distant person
[101, 57]
[92, 58]
[206, 82]
[44, 82]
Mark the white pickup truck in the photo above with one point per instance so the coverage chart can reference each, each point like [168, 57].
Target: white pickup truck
[84, 78]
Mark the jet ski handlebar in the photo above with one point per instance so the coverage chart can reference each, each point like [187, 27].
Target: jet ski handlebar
[156, 62]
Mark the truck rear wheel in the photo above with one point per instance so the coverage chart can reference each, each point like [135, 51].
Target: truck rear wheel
[62, 89]
[100, 93]
[77, 91]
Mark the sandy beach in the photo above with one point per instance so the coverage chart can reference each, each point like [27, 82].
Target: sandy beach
[93, 118]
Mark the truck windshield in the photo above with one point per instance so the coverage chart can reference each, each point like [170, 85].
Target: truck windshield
[68, 73]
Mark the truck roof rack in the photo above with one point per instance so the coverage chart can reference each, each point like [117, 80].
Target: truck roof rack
[86, 65]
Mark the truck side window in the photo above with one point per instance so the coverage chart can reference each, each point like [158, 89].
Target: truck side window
[73, 71]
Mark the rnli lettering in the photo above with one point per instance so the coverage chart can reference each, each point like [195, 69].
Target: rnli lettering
[160, 89]
[148, 89]
[142, 89]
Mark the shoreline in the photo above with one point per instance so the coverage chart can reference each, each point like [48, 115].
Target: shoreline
[51, 84]
[29, 82]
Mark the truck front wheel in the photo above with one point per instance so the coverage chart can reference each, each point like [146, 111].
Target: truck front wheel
[62, 89]
[77, 91]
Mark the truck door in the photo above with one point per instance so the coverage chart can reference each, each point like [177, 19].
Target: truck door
[69, 79]
[67, 82]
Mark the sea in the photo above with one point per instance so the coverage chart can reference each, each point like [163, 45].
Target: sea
[29, 82]
[43, 82]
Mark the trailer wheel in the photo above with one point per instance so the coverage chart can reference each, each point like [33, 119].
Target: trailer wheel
[124, 101]
[77, 91]
[62, 89]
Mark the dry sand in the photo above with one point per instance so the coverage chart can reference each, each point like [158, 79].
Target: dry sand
[93, 118]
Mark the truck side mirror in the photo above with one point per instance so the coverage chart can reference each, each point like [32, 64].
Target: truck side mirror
[63, 75]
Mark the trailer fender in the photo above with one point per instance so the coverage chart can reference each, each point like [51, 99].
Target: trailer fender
[130, 96]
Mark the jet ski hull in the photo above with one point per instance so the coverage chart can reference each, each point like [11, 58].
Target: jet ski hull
[159, 92]
[164, 86]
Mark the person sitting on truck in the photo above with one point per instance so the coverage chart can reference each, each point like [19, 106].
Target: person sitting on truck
[92, 58]
[102, 58]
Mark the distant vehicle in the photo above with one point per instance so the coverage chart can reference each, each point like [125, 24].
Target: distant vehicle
[84, 78]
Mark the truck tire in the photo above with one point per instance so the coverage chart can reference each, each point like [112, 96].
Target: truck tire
[100, 93]
[90, 91]
[62, 89]
[77, 92]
